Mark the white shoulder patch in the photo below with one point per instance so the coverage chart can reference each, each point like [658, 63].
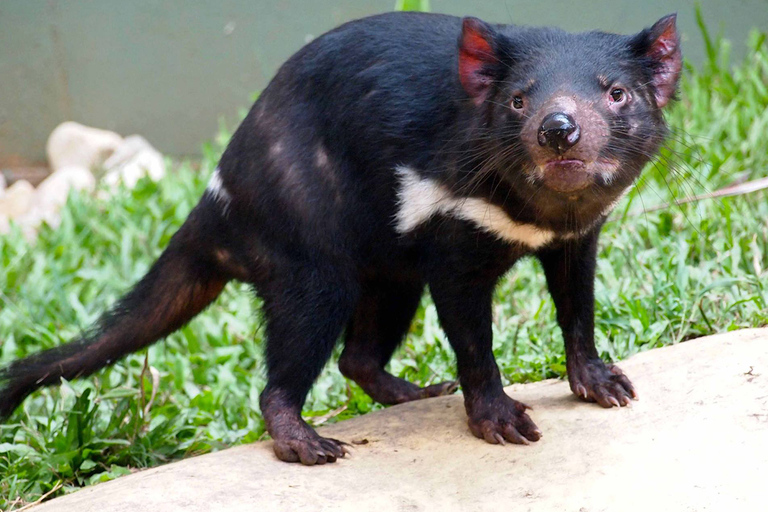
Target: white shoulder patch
[421, 198]
[217, 190]
[418, 200]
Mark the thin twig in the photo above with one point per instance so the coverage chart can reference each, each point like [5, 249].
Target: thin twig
[325, 417]
[731, 190]
[155, 385]
[41, 498]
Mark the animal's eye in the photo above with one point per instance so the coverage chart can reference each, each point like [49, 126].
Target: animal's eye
[618, 95]
[517, 102]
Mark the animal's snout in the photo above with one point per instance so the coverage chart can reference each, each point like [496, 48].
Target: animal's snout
[559, 131]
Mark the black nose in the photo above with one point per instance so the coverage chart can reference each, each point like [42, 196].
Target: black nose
[559, 131]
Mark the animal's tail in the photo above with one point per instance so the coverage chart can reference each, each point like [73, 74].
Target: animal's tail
[181, 283]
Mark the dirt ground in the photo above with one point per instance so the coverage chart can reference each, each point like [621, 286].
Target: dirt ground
[696, 440]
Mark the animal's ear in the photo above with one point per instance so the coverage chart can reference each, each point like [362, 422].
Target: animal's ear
[661, 44]
[478, 62]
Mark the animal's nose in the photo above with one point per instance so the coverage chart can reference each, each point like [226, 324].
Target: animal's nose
[559, 131]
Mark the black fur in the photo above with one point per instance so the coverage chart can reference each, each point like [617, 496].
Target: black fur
[309, 216]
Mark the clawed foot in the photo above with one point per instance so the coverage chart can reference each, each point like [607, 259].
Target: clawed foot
[387, 389]
[310, 451]
[594, 381]
[304, 445]
[442, 389]
[394, 391]
[501, 419]
[294, 439]
[390, 390]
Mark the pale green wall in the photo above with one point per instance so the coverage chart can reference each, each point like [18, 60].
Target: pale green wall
[170, 69]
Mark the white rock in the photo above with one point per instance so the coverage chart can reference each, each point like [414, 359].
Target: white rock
[17, 199]
[50, 197]
[131, 161]
[72, 143]
[54, 190]
[3, 185]
[15, 203]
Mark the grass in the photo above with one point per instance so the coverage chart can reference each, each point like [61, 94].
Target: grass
[663, 277]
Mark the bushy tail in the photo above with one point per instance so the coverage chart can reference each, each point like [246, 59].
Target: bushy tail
[181, 283]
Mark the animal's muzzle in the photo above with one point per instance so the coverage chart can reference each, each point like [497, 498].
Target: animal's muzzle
[559, 131]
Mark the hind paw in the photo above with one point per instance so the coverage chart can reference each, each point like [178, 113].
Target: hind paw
[442, 389]
[390, 390]
[311, 450]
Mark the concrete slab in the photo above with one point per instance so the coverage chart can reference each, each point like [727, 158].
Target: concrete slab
[696, 440]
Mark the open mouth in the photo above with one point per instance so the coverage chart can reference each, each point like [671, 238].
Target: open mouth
[566, 175]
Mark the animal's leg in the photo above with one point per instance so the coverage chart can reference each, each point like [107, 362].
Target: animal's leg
[464, 307]
[306, 309]
[570, 272]
[379, 323]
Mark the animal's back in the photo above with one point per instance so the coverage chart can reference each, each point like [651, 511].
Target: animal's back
[330, 129]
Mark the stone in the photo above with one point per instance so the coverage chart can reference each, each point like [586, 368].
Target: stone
[3, 185]
[131, 161]
[15, 203]
[695, 440]
[73, 144]
[51, 195]
[17, 199]
[54, 190]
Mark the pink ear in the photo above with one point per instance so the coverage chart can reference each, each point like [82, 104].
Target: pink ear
[664, 48]
[476, 57]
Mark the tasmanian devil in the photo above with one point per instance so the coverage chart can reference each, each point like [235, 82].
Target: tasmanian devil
[393, 153]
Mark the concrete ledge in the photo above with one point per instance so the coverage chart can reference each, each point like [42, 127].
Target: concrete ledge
[696, 440]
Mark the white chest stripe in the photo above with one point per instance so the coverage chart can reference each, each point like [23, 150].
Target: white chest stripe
[419, 199]
[217, 190]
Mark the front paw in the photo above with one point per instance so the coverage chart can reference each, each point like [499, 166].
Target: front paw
[501, 419]
[594, 381]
